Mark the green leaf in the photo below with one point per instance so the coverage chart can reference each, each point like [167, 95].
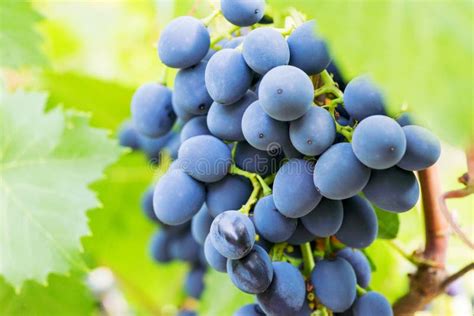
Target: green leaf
[19, 42]
[47, 161]
[389, 224]
[221, 297]
[62, 296]
[420, 52]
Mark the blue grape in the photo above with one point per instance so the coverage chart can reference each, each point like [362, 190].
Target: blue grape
[334, 284]
[194, 127]
[205, 158]
[286, 294]
[172, 145]
[243, 12]
[183, 247]
[338, 174]
[270, 223]
[359, 227]
[286, 93]
[422, 151]
[261, 131]
[379, 142]
[308, 51]
[152, 147]
[147, 205]
[186, 312]
[305, 310]
[249, 310]
[250, 159]
[252, 273]
[405, 119]
[362, 98]
[359, 263]
[393, 189]
[225, 121]
[234, 42]
[152, 111]
[294, 193]
[128, 136]
[217, 261]
[301, 235]
[227, 76]
[194, 282]
[177, 197]
[201, 224]
[325, 219]
[190, 93]
[314, 132]
[183, 42]
[159, 247]
[230, 193]
[232, 234]
[372, 304]
[265, 49]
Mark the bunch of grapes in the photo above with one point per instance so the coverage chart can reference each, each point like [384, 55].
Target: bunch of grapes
[277, 170]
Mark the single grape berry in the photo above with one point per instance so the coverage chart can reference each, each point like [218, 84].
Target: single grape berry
[213, 257]
[325, 219]
[152, 112]
[243, 12]
[194, 127]
[372, 304]
[201, 225]
[128, 136]
[359, 263]
[423, 149]
[232, 234]
[249, 310]
[183, 42]
[362, 98]
[230, 193]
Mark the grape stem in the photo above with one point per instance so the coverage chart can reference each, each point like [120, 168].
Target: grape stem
[413, 258]
[308, 260]
[208, 19]
[360, 290]
[223, 35]
[277, 251]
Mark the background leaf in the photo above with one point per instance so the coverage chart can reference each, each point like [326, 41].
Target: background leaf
[64, 295]
[47, 159]
[19, 42]
[388, 222]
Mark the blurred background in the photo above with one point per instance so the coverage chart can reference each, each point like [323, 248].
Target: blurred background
[91, 55]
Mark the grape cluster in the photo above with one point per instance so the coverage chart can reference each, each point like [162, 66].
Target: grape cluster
[277, 169]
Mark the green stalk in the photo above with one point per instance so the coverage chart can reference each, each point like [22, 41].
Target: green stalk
[308, 259]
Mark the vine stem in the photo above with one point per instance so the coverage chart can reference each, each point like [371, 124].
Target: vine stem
[256, 181]
[308, 260]
[360, 290]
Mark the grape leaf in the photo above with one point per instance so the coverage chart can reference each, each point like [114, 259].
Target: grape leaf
[420, 52]
[64, 295]
[19, 42]
[47, 160]
[221, 297]
[389, 224]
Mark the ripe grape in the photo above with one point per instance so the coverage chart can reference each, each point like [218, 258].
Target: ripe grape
[261, 131]
[230, 193]
[294, 193]
[159, 247]
[379, 142]
[194, 282]
[314, 132]
[147, 205]
[243, 12]
[152, 112]
[372, 304]
[334, 284]
[252, 273]
[404, 119]
[225, 121]
[422, 151]
[128, 136]
[232, 234]
[338, 174]
[183, 42]
[359, 263]
[152, 147]
[190, 93]
[301, 235]
[362, 98]
[250, 159]
[249, 310]
[308, 51]
[227, 76]
[393, 189]
[325, 219]
[359, 226]
[201, 224]
[286, 294]
[194, 127]
[270, 223]
[286, 93]
[265, 49]
[205, 158]
[177, 197]
[217, 261]
[183, 247]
